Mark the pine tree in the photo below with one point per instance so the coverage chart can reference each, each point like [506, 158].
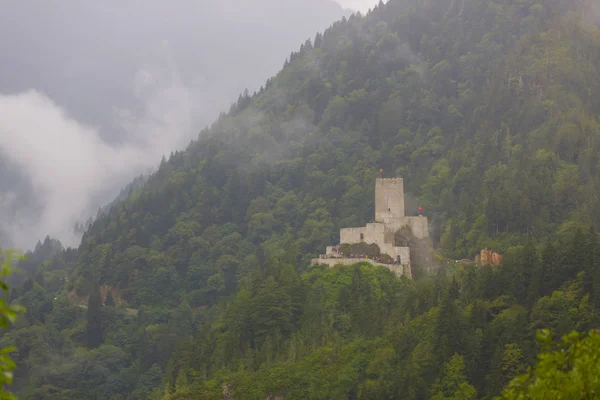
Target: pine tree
[550, 279]
[453, 384]
[448, 332]
[593, 266]
[94, 321]
[110, 301]
[531, 268]
[318, 40]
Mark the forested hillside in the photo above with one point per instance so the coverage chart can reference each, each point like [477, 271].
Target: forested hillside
[489, 111]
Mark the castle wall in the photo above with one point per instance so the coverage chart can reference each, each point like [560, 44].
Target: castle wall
[389, 199]
[352, 235]
[389, 217]
[390, 249]
[404, 255]
[372, 233]
[375, 233]
[398, 269]
[394, 252]
[418, 225]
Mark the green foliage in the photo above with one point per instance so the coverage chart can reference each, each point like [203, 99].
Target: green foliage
[568, 369]
[8, 316]
[354, 331]
[453, 383]
[487, 108]
[94, 323]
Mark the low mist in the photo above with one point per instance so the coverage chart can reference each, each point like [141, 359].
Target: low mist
[70, 170]
[89, 105]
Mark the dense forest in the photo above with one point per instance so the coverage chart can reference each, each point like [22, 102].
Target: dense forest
[198, 285]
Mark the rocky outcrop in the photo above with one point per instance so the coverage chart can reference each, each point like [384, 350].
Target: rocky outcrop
[489, 257]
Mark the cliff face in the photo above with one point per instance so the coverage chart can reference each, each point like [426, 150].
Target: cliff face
[489, 257]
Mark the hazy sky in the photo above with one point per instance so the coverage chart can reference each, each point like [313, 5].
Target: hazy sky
[359, 5]
[86, 106]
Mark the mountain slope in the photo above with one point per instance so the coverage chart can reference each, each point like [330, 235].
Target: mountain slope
[488, 109]
[494, 133]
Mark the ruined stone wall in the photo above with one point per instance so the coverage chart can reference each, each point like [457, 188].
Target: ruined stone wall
[389, 199]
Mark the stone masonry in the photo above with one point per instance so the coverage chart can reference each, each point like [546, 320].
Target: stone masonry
[389, 219]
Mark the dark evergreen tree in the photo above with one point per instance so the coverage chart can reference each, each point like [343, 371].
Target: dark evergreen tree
[549, 268]
[110, 301]
[94, 331]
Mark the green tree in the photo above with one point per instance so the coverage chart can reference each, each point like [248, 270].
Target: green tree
[453, 384]
[110, 301]
[94, 332]
[569, 369]
[8, 315]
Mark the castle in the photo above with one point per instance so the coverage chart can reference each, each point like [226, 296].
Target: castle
[385, 232]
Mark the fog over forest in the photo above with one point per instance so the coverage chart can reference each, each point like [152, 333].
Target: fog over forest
[93, 94]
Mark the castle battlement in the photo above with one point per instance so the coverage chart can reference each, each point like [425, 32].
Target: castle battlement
[387, 181]
[389, 220]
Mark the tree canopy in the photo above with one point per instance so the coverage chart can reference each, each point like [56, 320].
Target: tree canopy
[198, 283]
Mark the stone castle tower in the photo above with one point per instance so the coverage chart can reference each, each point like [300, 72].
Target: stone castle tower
[389, 199]
[389, 220]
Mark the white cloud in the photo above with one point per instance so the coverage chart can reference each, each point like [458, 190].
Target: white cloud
[108, 102]
[71, 169]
